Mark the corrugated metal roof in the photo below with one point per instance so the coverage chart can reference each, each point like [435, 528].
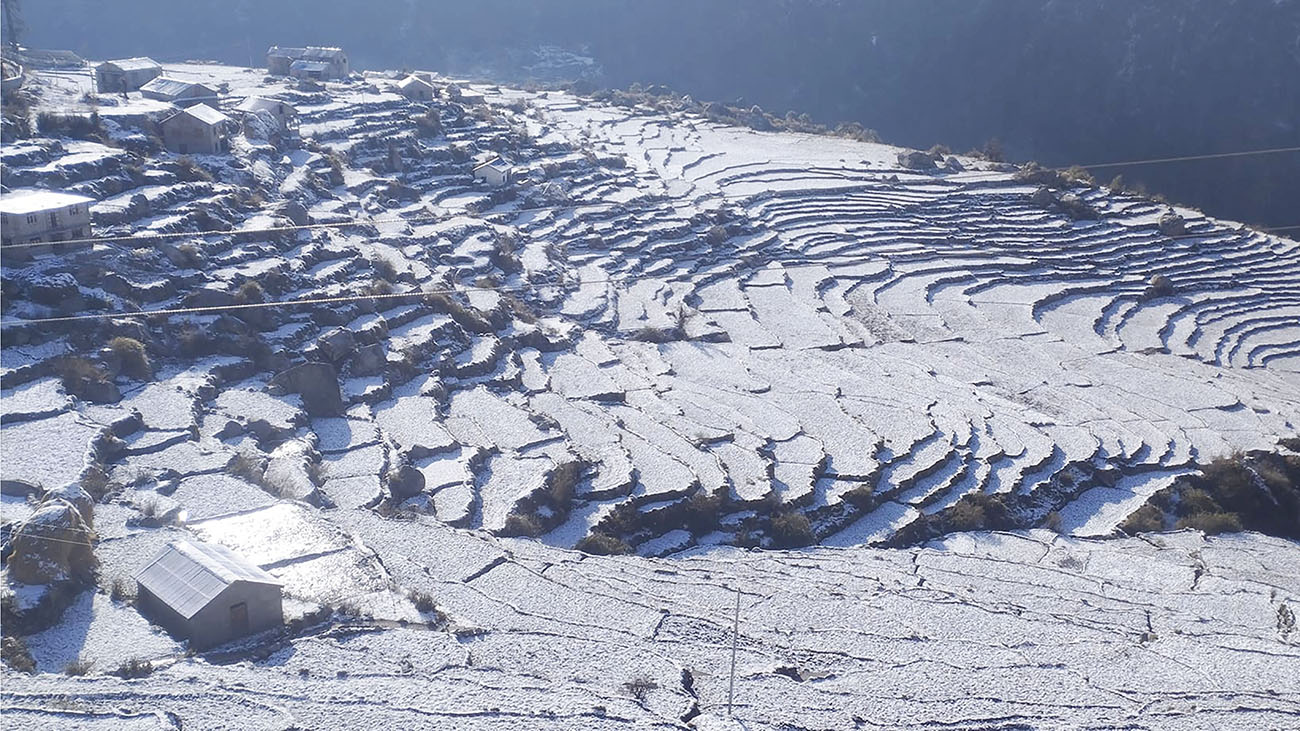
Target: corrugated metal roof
[21, 202]
[187, 575]
[139, 63]
[174, 87]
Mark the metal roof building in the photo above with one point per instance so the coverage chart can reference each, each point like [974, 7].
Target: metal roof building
[176, 91]
[208, 594]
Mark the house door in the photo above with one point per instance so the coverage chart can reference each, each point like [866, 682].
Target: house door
[239, 620]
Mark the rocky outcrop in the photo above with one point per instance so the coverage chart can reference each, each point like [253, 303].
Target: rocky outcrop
[55, 544]
[317, 383]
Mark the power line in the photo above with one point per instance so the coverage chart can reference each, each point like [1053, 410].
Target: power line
[1213, 156]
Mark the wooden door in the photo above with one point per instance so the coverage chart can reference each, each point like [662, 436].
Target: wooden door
[239, 620]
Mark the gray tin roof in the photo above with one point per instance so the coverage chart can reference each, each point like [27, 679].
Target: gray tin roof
[186, 575]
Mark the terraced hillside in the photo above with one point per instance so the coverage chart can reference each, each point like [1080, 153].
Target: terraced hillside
[371, 374]
[667, 333]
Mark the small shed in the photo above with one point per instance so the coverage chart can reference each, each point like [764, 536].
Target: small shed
[282, 113]
[207, 594]
[199, 130]
[494, 172]
[415, 88]
[180, 93]
[126, 74]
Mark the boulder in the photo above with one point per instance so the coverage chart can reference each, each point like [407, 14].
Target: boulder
[405, 482]
[954, 165]
[369, 360]
[77, 498]
[53, 545]
[288, 472]
[318, 383]
[1042, 198]
[1172, 224]
[337, 344]
[294, 211]
[916, 160]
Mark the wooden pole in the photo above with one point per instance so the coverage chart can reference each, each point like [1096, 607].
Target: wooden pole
[735, 639]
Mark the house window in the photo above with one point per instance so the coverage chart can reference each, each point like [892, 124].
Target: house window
[32, 218]
[54, 218]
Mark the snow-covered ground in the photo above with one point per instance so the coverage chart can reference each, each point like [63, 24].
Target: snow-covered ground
[674, 314]
[978, 631]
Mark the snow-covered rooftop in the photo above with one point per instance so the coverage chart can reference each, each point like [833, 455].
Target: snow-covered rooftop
[203, 113]
[308, 52]
[173, 87]
[33, 201]
[187, 575]
[413, 80]
[137, 63]
[262, 104]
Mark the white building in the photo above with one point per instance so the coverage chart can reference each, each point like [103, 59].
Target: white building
[44, 215]
[283, 114]
[415, 88]
[207, 594]
[494, 172]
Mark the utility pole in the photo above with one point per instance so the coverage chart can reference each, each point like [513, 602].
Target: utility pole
[735, 639]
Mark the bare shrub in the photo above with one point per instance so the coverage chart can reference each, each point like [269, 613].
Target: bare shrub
[603, 544]
[135, 668]
[640, 687]
[133, 357]
[78, 668]
[791, 529]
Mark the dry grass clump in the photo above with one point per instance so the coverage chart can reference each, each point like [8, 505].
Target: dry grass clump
[132, 356]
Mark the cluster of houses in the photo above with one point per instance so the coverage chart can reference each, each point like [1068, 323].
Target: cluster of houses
[199, 127]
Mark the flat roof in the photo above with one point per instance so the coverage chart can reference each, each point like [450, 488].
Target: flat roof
[33, 201]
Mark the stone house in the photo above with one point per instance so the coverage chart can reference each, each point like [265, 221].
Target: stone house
[196, 130]
[125, 74]
[207, 594]
[44, 215]
[311, 62]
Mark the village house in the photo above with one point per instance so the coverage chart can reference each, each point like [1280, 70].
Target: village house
[180, 93]
[44, 215]
[207, 594]
[415, 88]
[283, 114]
[494, 172]
[199, 129]
[125, 74]
[312, 62]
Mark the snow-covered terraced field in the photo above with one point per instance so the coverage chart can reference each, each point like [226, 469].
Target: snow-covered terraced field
[776, 320]
[667, 337]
